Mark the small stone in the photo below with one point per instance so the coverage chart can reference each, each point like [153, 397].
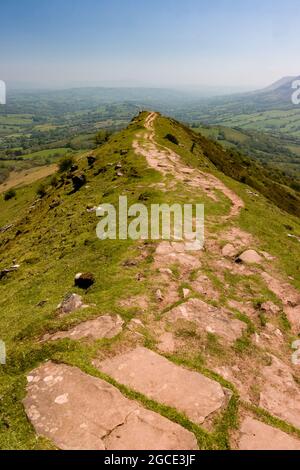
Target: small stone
[91, 209]
[135, 323]
[91, 160]
[165, 271]
[159, 296]
[84, 280]
[186, 293]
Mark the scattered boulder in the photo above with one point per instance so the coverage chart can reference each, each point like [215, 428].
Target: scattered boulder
[250, 257]
[135, 323]
[270, 307]
[130, 263]
[229, 251]
[91, 160]
[70, 303]
[42, 303]
[84, 280]
[6, 271]
[78, 181]
[91, 208]
[54, 204]
[6, 228]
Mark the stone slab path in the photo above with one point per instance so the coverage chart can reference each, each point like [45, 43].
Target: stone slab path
[77, 411]
[255, 435]
[159, 379]
[209, 319]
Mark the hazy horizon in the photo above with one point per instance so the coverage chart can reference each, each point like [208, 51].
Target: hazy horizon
[227, 45]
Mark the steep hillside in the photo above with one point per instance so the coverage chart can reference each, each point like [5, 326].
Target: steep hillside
[158, 347]
[280, 154]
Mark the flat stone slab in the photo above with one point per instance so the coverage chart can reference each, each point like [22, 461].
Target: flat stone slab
[167, 254]
[79, 412]
[209, 318]
[159, 379]
[259, 436]
[102, 327]
[280, 394]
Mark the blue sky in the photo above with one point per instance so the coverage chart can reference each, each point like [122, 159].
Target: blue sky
[158, 42]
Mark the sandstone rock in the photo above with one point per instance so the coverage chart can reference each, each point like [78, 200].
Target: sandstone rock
[280, 394]
[204, 286]
[290, 298]
[84, 280]
[270, 307]
[161, 380]
[209, 318]
[166, 271]
[80, 412]
[70, 303]
[259, 436]
[78, 181]
[135, 323]
[267, 256]
[250, 257]
[135, 301]
[229, 250]
[102, 327]
[166, 343]
[186, 293]
[176, 253]
[159, 296]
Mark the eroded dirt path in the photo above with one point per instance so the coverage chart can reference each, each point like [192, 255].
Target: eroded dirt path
[166, 161]
[207, 305]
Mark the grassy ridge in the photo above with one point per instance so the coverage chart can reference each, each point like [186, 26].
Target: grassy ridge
[52, 244]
